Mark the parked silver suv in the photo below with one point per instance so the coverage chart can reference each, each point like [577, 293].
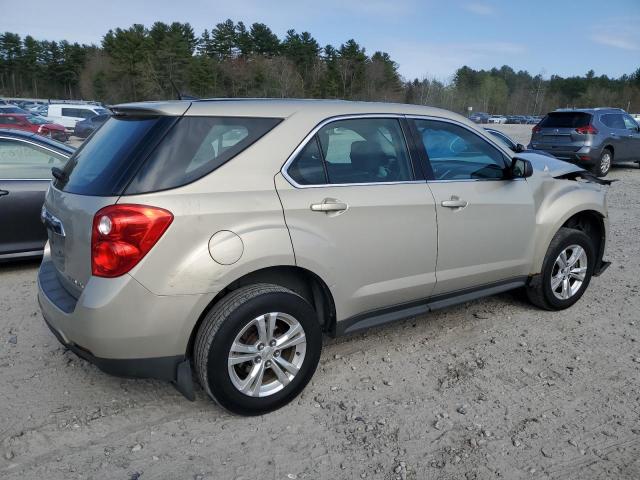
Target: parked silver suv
[593, 137]
[228, 236]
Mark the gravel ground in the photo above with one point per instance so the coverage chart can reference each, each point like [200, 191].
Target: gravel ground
[489, 389]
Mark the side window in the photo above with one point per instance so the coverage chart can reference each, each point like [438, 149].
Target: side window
[86, 113]
[9, 120]
[630, 123]
[308, 167]
[19, 160]
[613, 120]
[456, 153]
[365, 150]
[503, 139]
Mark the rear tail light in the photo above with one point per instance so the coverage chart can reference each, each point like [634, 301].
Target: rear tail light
[41, 130]
[587, 129]
[536, 128]
[122, 235]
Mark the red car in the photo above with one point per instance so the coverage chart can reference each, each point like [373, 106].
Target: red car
[35, 124]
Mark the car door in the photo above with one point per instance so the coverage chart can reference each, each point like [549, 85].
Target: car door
[359, 216]
[617, 133]
[25, 173]
[485, 221]
[632, 138]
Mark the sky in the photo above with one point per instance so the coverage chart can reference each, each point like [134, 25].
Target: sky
[427, 38]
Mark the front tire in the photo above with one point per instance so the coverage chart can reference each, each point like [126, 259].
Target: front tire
[257, 349]
[602, 167]
[566, 271]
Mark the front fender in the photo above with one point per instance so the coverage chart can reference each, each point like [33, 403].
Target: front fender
[559, 200]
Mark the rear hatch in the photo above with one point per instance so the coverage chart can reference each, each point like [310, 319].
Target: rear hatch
[95, 176]
[560, 132]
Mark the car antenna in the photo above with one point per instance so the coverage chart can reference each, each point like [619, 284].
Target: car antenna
[180, 95]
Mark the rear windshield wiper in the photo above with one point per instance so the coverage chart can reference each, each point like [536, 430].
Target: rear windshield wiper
[59, 174]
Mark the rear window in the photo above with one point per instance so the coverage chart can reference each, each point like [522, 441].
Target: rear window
[565, 120]
[133, 155]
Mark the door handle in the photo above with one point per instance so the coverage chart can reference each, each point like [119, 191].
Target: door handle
[329, 205]
[3, 193]
[455, 202]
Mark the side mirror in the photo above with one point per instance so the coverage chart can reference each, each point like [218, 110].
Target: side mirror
[520, 148]
[521, 168]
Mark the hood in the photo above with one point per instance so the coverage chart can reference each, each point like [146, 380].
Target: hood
[544, 163]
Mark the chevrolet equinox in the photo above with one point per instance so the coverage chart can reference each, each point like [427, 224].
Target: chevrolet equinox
[226, 236]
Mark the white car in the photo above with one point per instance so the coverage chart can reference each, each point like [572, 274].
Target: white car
[68, 114]
[497, 119]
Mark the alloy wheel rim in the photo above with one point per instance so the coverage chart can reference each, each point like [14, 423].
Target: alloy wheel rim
[569, 272]
[606, 162]
[267, 354]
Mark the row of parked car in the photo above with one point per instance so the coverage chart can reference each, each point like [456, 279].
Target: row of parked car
[54, 120]
[483, 117]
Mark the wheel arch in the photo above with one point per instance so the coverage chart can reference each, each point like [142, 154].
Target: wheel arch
[304, 282]
[589, 219]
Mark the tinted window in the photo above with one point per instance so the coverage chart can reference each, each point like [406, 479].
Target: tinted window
[104, 164]
[456, 153]
[196, 146]
[22, 160]
[613, 120]
[308, 168]
[565, 120]
[366, 150]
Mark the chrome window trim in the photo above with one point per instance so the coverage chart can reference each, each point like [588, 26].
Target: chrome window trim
[326, 121]
[24, 140]
[484, 136]
[25, 179]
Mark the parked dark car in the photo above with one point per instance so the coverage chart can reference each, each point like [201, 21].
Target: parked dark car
[479, 117]
[86, 127]
[590, 137]
[26, 160]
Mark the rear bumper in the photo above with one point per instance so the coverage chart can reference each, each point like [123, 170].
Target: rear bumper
[119, 325]
[584, 156]
[162, 368]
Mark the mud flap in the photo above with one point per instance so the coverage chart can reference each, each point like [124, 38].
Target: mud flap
[184, 380]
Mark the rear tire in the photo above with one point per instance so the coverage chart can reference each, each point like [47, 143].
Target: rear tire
[245, 367]
[547, 293]
[603, 166]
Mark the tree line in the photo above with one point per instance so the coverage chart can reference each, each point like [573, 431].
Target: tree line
[235, 60]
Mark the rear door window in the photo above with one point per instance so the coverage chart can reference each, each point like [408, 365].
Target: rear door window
[613, 120]
[365, 150]
[565, 120]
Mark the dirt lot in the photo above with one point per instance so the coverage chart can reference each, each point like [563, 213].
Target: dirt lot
[489, 389]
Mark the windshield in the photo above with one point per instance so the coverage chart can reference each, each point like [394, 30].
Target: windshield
[35, 120]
